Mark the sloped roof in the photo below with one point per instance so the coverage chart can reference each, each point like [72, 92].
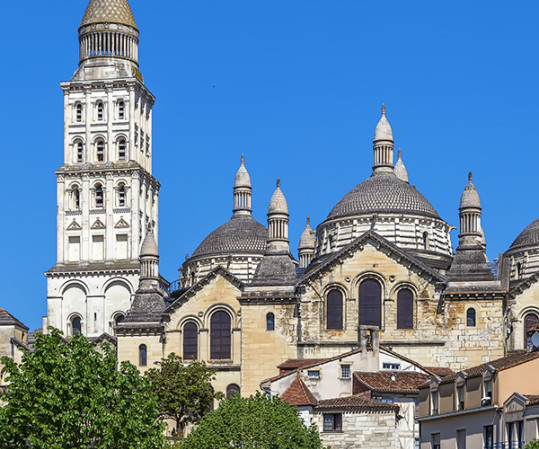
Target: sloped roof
[298, 394]
[356, 402]
[382, 382]
[440, 371]
[293, 364]
[7, 319]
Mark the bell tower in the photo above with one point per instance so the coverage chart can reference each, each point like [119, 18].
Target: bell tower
[107, 197]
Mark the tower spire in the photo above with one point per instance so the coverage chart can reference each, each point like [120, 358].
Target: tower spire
[278, 222]
[242, 191]
[383, 146]
[307, 245]
[400, 169]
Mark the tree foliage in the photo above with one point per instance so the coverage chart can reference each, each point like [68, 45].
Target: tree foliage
[533, 444]
[69, 395]
[184, 391]
[256, 422]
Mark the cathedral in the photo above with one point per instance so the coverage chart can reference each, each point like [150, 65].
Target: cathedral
[381, 261]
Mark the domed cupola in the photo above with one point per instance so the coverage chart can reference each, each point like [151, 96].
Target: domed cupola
[238, 245]
[523, 254]
[389, 205]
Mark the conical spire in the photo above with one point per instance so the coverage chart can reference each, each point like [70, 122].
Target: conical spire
[149, 260]
[470, 196]
[278, 202]
[278, 222]
[383, 129]
[383, 147]
[242, 191]
[400, 169]
[109, 11]
[149, 245]
[307, 245]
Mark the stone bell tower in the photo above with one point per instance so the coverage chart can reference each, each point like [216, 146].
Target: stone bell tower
[107, 196]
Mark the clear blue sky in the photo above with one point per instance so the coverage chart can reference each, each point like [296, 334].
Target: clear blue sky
[297, 86]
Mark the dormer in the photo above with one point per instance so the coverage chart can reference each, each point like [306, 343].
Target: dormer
[460, 391]
[434, 395]
[487, 397]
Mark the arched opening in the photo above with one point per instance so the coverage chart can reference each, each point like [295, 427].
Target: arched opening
[99, 196]
[80, 149]
[405, 309]
[370, 303]
[519, 270]
[121, 195]
[270, 322]
[334, 309]
[122, 150]
[100, 111]
[76, 198]
[76, 325]
[79, 113]
[470, 317]
[232, 390]
[121, 110]
[142, 355]
[119, 319]
[425, 240]
[190, 341]
[100, 153]
[530, 320]
[220, 336]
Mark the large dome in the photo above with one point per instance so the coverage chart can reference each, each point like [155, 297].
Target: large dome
[242, 234]
[528, 237]
[383, 194]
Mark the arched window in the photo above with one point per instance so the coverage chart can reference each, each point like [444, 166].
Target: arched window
[334, 309]
[76, 325]
[470, 317]
[530, 320]
[190, 341]
[425, 240]
[119, 319]
[231, 390]
[405, 309]
[220, 337]
[76, 198]
[99, 196]
[519, 270]
[370, 303]
[80, 149]
[100, 113]
[121, 149]
[121, 110]
[79, 112]
[270, 322]
[121, 195]
[142, 355]
[100, 146]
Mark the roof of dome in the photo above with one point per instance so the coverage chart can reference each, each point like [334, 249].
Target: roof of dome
[278, 202]
[307, 239]
[242, 176]
[470, 196]
[528, 237]
[383, 130]
[383, 193]
[109, 11]
[241, 234]
[149, 245]
[400, 169]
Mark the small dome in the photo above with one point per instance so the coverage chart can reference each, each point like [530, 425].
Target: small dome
[109, 11]
[242, 234]
[383, 194]
[149, 245]
[400, 169]
[307, 239]
[242, 176]
[527, 238]
[278, 204]
[470, 197]
[383, 129]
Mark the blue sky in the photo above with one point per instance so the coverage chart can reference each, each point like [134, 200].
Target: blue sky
[297, 86]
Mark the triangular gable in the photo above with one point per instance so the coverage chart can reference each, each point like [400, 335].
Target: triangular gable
[298, 394]
[74, 226]
[193, 290]
[378, 242]
[98, 224]
[121, 224]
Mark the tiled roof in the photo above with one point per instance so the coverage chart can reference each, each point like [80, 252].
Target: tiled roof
[404, 382]
[357, 402]
[533, 399]
[109, 11]
[298, 394]
[7, 319]
[439, 371]
[294, 364]
[528, 237]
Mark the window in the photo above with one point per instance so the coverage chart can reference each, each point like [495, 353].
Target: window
[332, 422]
[391, 366]
[460, 397]
[488, 436]
[370, 303]
[100, 150]
[487, 389]
[270, 322]
[99, 196]
[121, 195]
[345, 371]
[121, 149]
[313, 374]
[79, 151]
[220, 337]
[100, 109]
[519, 270]
[434, 402]
[142, 355]
[190, 341]
[334, 309]
[470, 317]
[232, 390]
[76, 325]
[121, 110]
[76, 198]
[78, 112]
[530, 320]
[435, 441]
[425, 240]
[405, 309]
[461, 439]
[119, 319]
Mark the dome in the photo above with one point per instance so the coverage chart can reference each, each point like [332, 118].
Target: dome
[278, 204]
[109, 11]
[241, 234]
[383, 129]
[242, 176]
[470, 197]
[307, 239]
[528, 237]
[383, 193]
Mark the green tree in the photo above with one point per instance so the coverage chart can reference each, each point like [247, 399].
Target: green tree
[185, 393]
[70, 395]
[255, 422]
[533, 444]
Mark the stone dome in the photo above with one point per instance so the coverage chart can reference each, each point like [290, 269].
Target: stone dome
[242, 234]
[149, 245]
[278, 204]
[383, 129]
[470, 196]
[242, 176]
[307, 239]
[383, 194]
[528, 237]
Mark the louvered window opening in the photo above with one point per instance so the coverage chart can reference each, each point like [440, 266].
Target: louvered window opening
[370, 303]
[220, 336]
[334, 310]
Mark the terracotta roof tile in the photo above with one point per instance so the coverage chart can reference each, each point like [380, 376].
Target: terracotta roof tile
[357, 402]
[404, 382]
[533, 399]
[440, 371]
[298, 394]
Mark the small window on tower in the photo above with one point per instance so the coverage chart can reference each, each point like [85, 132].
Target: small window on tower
[79, 112]
[470, 317]
[76, 198]
[121, 110]
[100, 111]
[121, 149]
[100, 151]
[79, 151]
[121, 195]
[99, 196]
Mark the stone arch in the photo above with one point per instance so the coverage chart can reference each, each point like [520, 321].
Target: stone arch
[220, 306]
